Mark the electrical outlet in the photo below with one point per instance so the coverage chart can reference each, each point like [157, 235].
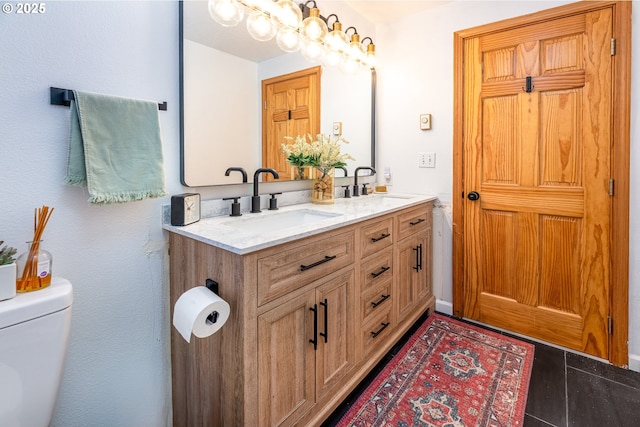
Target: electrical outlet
[387, 176]
[427, 160]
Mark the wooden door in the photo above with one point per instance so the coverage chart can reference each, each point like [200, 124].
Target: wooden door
[286, 362]
[336, 350]
[537, 171]
[291, 107]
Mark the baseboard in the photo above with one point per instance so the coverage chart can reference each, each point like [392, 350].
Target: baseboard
[634, 362]
[445, 307]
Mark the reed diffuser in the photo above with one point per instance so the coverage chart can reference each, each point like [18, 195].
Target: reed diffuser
[34, 266]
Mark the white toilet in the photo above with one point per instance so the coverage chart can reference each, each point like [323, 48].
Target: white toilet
[34, 335]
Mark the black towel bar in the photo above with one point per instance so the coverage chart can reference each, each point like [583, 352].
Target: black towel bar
[64, 97]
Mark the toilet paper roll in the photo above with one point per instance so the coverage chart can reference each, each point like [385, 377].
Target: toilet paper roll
[200, 312]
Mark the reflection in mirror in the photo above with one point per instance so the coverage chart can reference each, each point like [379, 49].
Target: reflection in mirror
[222, 70]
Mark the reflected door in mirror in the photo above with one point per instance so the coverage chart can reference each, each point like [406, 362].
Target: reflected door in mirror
[291, 107]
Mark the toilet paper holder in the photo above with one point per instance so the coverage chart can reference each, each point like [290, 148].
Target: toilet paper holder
[213, 286]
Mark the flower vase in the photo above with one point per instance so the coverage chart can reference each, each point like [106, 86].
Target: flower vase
[322, 190]
[299, 172]
[34, 268]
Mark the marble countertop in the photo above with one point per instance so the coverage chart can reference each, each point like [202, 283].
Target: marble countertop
[252, 232]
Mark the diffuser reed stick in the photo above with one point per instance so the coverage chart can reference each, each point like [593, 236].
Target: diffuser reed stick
[32, 278]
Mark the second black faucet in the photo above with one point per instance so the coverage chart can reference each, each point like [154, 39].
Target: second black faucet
[356, 190]
[255, 199]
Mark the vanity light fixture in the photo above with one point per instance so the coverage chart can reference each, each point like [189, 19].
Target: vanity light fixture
[298, 27]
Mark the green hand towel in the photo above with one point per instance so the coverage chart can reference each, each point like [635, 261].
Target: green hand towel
[115, 148]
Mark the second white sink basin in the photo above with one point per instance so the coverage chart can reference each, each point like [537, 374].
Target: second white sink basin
[273, 222]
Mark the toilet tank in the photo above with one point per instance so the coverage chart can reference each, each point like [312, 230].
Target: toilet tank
[34, 335]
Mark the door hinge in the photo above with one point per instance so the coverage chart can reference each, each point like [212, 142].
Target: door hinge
[611, 187]
[610, 320]
[613, 46]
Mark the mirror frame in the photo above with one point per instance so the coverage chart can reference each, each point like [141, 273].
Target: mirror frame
[182, 123]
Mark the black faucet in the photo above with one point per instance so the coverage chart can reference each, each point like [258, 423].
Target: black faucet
[346, 172]
[255, 199]
[238, 169]
[356, 190]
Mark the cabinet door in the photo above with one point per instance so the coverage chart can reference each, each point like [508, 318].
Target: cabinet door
[412, 271]
[286, 361]
[336, 344]
[424, 287]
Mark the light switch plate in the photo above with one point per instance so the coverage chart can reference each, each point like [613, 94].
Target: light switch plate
[337, 128]
[425, 121]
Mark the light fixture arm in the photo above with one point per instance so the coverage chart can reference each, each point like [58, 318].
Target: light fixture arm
[355, 31]
[329, 17]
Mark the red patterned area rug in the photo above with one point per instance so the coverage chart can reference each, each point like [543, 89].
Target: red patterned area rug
[449, 374]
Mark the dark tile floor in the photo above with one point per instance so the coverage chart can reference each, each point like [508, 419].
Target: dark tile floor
[566, 390]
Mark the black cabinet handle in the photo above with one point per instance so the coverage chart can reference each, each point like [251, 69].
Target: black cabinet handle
[417, 266]
[380, 301]
[314, 341]
[326, 258]
[325, 304]
[420, 256]
[382, 236]
[418, 221]
[382, 270]
[376, 333]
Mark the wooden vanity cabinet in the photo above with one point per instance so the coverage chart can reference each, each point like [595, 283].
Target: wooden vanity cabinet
[306, 320]
[413, 260]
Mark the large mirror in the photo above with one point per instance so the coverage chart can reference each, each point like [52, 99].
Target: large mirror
[222, 69]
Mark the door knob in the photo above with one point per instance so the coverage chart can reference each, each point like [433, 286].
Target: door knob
[473, 196]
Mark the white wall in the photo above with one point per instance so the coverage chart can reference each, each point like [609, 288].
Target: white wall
[416, 76]
[118, 366]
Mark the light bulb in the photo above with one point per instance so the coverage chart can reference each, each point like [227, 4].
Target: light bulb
[286, 13]
[226, 12]
[356, 50]
[314, 28]
[337, 40]
[312, 50]
[260, 26]
[370, 57]
[349, 65]
[288, 40]
[333, 58]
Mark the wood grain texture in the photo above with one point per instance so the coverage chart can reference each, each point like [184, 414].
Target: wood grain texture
[260, 369]
[291, 107]
[465, 125]
[280, 272]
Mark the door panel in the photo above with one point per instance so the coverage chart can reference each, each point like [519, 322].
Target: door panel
[536, 245]
[291, 107]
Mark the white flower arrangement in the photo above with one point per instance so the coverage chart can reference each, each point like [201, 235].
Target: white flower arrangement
[323, 153]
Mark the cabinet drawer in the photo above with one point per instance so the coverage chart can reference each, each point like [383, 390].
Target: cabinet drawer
[376, 236]
[375, 332]
[300, 263]
[375, 299]
[414, 221]
[377, 269]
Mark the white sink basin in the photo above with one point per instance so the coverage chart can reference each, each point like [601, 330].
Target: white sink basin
[274, 222]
